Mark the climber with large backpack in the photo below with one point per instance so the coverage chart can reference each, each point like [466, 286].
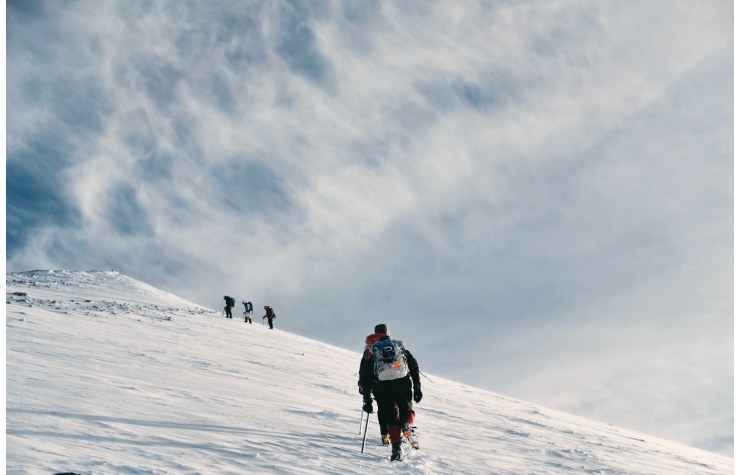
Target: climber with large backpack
[366, 355]
[230, 302]
[247, 311]
[270, 315]
[390, 373]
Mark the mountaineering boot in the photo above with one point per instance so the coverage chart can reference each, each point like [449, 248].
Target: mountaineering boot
[397, 453]
[386, 440]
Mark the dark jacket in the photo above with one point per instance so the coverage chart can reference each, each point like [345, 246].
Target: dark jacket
[367, 369]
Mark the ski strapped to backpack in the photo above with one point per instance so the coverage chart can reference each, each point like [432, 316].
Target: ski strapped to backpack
[390, 360]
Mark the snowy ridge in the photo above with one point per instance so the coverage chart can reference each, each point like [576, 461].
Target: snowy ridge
[104, 283]
[108, 375]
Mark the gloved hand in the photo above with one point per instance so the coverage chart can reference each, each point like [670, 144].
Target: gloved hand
[360, 388]
[417, 394]
[367, 406]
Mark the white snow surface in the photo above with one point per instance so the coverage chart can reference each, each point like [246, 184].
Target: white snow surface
[108, 375]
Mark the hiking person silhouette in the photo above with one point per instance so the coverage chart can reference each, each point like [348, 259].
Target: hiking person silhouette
[247, 311]
[230, 302]
[270, 315]
[390, 373]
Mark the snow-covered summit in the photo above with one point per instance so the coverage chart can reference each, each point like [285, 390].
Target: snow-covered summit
[95, 282]
[108, 375]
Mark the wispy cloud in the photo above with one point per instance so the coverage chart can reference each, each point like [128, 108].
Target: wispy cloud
[529, 179]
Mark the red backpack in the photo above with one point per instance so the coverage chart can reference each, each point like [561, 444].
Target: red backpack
[369, 341]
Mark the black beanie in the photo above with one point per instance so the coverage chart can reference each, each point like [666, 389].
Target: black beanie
[381, 328]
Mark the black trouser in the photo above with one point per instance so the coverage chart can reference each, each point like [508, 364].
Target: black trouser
[394, 404]
[228, 312]
[269, 321]
[382, 421]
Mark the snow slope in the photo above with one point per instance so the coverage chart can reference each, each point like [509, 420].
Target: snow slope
[107, 375]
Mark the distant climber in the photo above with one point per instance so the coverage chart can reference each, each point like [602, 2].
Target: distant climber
[230, 302]
[270, 315]
[247, 311]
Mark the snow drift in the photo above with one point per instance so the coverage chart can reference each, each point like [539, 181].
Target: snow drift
[108, 375]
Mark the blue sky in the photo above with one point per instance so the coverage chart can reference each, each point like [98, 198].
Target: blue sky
[535, 196]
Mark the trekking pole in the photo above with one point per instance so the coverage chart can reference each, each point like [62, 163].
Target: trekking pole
[362, 451]
[360, 432]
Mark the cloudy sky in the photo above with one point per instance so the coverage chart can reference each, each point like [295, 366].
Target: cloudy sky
[536, 196]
